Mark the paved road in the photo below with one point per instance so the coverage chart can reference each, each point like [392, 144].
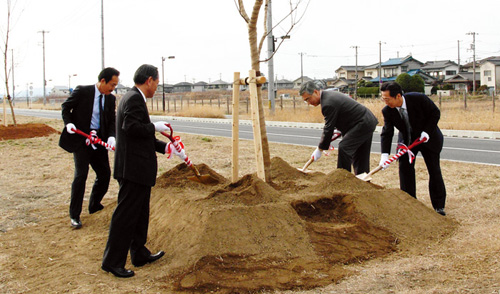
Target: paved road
[484, 151]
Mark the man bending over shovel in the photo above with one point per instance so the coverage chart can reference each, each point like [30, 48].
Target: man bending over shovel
[415, 116]
[353, 120]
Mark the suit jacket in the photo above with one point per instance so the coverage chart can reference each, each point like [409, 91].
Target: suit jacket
[424, 116]
[343, 113]
[77, 109]
[136, 143]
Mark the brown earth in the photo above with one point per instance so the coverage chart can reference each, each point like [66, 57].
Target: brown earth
[300, 231]
[25, 131]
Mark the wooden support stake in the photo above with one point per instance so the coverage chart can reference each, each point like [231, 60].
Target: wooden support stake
[236, 127]
[257, 135]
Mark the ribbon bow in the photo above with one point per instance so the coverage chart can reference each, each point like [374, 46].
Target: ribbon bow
[171, 146]
[92, 139]
[402, 147]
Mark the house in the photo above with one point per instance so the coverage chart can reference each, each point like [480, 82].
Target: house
[349, 72]
[298, 82]
[343, 84]
[219, 85]
[284, 84]
[200, 87]
[329, 82]
[168, 88]
[440, 70]
[461, 81]
[371, 71]
[487, 72]
[490, 73]
[182, 87]
[121, 89]
[59, 91]
[396, 66]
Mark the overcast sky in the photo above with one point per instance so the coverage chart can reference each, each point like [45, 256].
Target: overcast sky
[210, 42]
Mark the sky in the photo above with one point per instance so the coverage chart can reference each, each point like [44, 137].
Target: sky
[209, 38]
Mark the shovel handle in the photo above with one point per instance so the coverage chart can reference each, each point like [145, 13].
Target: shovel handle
[308, 163]
[97, 139]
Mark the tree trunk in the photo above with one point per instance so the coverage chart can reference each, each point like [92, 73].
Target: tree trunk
[254, 54]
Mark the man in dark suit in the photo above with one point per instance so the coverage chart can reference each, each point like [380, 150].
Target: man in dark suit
[135, 169]
[423, 117]
[90, 108]
[353, 120]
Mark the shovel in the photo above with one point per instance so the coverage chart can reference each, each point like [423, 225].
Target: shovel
[204, 179]
[367, 177]
[93, 140]
[304, 169]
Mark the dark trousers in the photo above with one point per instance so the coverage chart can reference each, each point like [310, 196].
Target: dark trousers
[99, 161]
[354, 149]
[437, 190]
[129, 225]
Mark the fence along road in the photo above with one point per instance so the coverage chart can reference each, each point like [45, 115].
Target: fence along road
[473, 147]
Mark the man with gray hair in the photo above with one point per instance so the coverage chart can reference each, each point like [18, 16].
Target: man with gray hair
[353, 120]
[135, 169]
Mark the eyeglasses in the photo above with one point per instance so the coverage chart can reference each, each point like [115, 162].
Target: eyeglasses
[306, 100]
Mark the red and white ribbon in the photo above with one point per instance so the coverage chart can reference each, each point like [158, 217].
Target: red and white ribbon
[402, 150]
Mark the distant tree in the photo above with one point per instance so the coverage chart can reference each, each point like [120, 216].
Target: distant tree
[404, 81]
[417, 84]
[5, 48]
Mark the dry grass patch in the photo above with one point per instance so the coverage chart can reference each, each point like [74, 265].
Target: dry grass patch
[36, 175]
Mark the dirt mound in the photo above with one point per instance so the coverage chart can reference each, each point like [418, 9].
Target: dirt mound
[179, 177]
[22, 131]
[253, 235]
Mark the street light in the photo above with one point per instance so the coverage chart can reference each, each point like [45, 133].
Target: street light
[69, 82]
[163, 78]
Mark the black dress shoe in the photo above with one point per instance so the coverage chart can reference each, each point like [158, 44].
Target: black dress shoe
[96, 209]
[119, 272]
[76, 223]
[149, 259]
[441, 211]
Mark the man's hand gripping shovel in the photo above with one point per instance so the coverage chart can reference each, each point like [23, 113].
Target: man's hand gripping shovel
[93, 139]
[311, 160]
[402, 150]
[176, 144]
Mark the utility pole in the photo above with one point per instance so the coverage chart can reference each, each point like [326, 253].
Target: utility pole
[102, 33]
[270, 62]
[380, 63]
[473, 48]
[13, 83]
[301, 68]
[163, 79]
[458, 41]
[356, 74]
[44, 81]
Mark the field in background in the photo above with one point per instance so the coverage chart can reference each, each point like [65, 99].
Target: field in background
[476, 114]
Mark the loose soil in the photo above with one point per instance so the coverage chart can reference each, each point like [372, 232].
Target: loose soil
[301, 231]
[25, 131]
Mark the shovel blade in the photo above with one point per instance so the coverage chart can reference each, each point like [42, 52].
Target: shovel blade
[364, 177]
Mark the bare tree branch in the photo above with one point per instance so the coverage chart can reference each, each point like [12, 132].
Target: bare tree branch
[241, 10]
[264, 35]
[293, 9]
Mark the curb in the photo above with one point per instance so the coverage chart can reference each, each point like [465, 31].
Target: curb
[319, 126]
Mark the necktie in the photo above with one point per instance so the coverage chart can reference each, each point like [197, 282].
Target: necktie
[101, 115]
[404, 116]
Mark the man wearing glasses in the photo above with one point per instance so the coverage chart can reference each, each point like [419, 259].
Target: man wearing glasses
[416, 117]
[353, 120]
